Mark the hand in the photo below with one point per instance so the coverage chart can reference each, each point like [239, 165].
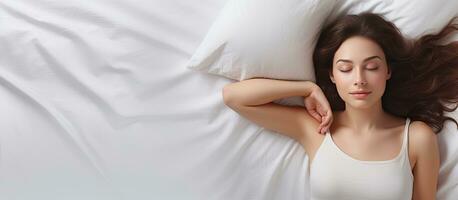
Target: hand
[318, 107]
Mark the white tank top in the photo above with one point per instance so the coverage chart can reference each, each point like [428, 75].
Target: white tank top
[336, 175]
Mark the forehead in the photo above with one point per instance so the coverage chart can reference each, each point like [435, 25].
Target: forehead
[358, 48]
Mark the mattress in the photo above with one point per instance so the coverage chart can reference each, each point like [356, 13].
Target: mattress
[97, 104]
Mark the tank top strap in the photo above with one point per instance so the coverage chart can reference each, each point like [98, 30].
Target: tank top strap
[406, 134]
[405, 148]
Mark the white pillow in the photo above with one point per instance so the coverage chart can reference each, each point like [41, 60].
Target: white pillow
[263, 38]
[413, 18]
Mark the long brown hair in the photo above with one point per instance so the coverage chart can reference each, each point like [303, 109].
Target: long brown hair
[424, 73]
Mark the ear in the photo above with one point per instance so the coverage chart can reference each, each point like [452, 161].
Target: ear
[332, 78]
[389, 73]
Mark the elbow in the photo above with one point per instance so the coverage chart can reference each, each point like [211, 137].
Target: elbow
[227, 95]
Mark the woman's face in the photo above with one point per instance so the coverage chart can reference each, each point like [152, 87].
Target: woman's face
[359, 64]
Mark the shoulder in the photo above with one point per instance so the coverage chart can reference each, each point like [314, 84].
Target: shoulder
[423, 140]
[427, 162]
[421, 132]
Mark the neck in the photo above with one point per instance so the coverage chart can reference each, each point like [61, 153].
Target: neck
[364, 120]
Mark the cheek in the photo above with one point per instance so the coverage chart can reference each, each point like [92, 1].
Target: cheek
[342, 84]
[379, 84]
[343, 80]
[377, 78]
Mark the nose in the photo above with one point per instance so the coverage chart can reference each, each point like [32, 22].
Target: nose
[360, 79]
[360, 83]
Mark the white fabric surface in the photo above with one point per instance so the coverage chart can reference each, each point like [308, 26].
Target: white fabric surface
[96, 103]
[263, 38]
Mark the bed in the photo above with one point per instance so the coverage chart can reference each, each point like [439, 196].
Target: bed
[96, 104]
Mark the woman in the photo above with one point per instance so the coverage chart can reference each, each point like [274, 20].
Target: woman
[378, 94]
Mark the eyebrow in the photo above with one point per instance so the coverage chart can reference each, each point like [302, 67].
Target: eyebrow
[368, 58]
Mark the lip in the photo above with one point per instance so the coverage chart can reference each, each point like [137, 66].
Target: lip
[360, 92]
[360, 95]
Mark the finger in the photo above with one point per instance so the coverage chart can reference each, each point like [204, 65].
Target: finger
[323, 122]
[316, 115]
[323, 110]
[320, 129]
[326, 122]
[326, 117]
[323, 118]
[320, 111]
[329, 121]
[323, 128]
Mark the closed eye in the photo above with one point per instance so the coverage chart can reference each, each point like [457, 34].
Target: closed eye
[373, 69]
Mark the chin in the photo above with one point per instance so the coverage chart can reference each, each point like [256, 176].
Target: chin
[358, 103]
[362, 105]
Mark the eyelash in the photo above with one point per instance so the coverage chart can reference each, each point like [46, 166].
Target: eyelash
[368, 69]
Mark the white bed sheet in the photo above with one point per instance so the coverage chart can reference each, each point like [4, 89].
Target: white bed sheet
[95, 103]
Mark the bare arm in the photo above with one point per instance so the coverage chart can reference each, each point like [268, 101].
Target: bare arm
[426, 170]
[258, 91]
[253, 98]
